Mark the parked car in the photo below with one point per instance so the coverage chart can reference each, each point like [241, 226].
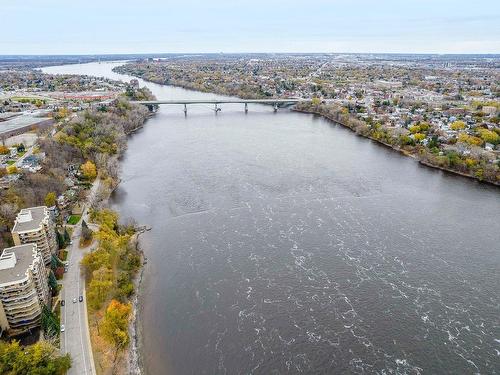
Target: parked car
[74, 300]
[80, 298]
[62, 302]
[62, 328]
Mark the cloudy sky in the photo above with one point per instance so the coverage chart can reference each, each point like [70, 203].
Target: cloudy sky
[154, 26]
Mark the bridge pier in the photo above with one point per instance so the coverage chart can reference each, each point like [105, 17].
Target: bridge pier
[185, 110]
[275, 107]
[246, 107]
[217, 109]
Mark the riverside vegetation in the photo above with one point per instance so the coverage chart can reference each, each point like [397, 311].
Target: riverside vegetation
[475, 163]
[446, 117]
[110, 271]
[94, 140]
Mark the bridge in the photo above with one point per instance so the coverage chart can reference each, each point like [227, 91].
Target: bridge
[276, 103]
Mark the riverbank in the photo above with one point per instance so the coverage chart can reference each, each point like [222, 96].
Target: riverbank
[448, 160]
[419, 153]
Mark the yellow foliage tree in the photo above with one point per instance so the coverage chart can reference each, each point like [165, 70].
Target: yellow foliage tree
[489, 136]
[89, 170]
[419, 137]
[50, 199]
[315, 101]
[114, 325]
[414, 129]
[470, 139]
[457, 125]
[12, 169]
[4, 150]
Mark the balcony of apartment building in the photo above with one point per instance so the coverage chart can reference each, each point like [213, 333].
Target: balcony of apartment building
[24, 324]
[27, 310]
[20, 319]
[19, 299]
[32, 237]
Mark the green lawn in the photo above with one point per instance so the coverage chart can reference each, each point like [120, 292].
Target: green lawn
[74, 219]
[10, 162]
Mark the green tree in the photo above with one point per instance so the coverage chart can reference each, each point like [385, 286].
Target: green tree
[52, 282]
[60, 240]
[50, 323]
[67, 238]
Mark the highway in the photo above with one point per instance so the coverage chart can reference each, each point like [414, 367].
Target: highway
[76, 338]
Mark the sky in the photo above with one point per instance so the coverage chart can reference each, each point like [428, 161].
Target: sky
[188, 26]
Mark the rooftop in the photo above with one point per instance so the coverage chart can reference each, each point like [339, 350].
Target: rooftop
[15, 261]
[30, 219]
[20, 122]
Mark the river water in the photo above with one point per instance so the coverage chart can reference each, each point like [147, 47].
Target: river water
[282, 243]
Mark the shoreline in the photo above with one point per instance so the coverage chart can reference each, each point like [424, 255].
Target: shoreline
[134, 352]
[295, 109]
[399, 150]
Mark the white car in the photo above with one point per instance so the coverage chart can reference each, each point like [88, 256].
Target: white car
[74, 300]
[62, 328]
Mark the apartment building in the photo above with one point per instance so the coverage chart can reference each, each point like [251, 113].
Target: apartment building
[35, 225]
[23, 288]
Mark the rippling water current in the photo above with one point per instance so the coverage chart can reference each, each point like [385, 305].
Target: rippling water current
[282, 243]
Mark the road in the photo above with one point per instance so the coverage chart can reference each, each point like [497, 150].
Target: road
[76, 338]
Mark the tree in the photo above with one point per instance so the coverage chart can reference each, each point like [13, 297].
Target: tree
[60, 240]
[52, 282]
[55, 262]
[100, 286]
[50, 323]
[114, 325]
[470, 139]
[457, 125]
[86, 232]
[41, 358]
[67, 238]
[12, 169]
[4, 150]
[419, 137]
[89, 170]
[489, 136]
[50, 199]
[315, 101]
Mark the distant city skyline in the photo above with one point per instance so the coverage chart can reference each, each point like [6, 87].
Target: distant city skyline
[152, 26]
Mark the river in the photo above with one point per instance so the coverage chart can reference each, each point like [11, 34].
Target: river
[283, 243]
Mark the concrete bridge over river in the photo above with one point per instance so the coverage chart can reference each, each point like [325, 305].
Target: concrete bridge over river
[276, 103]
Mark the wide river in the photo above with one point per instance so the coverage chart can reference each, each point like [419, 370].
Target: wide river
[283, 243]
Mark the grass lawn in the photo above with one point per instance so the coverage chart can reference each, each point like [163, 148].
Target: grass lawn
[74, 219]
[10, 162]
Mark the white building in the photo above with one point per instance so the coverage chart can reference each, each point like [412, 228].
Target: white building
[23, 288]
[35, 225]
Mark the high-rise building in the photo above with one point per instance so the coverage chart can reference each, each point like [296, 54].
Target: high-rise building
[23, 288]
[35, 225]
